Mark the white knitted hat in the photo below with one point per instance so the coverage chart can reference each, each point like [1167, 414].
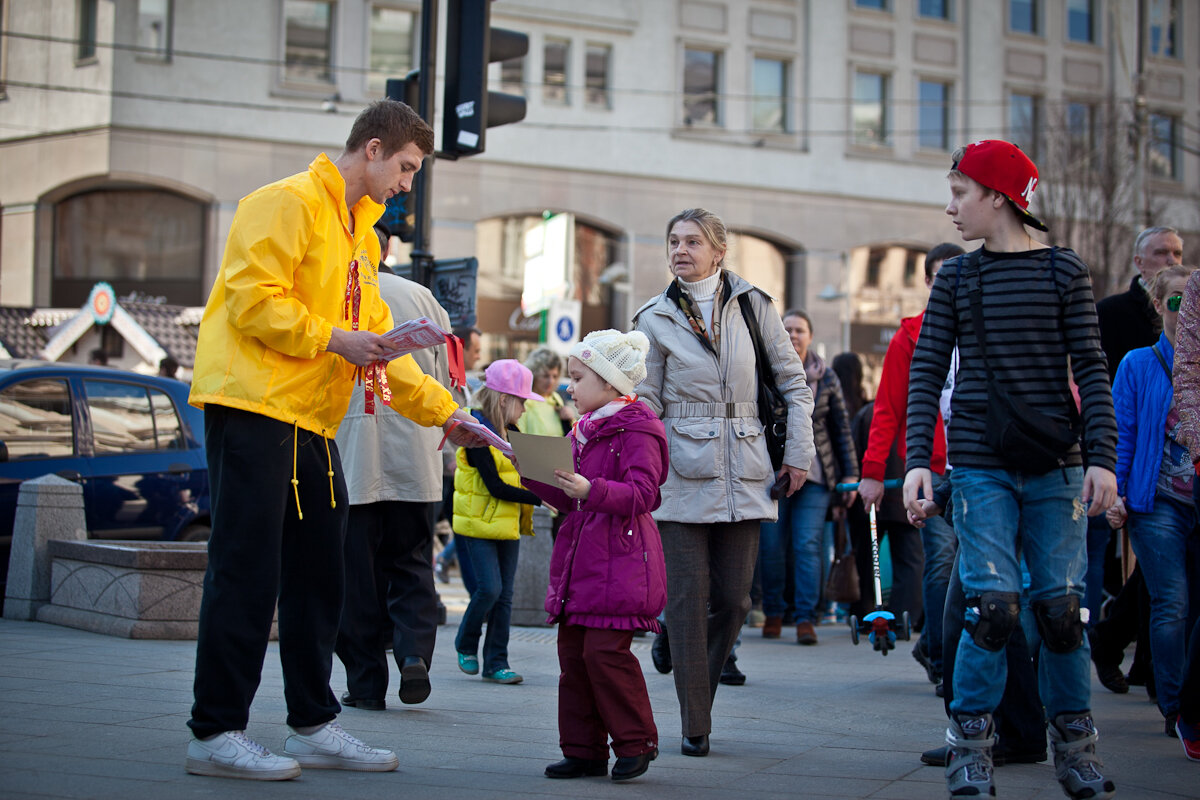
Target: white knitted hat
[619, 358]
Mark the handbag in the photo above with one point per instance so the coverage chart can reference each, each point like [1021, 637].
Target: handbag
[1025, 438]
[842, 586]
[772, 405]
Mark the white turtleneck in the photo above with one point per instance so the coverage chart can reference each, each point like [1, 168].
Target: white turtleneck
[704, 292]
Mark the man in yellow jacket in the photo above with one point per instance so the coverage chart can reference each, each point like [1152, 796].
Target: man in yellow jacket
[293, 321]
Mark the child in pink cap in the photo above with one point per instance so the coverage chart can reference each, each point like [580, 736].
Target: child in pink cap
[491, 512]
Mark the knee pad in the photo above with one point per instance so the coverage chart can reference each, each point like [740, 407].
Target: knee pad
[1059, 622]
[999, 615]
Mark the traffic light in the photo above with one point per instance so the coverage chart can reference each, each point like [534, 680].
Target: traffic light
[469, 109]
[399, 216]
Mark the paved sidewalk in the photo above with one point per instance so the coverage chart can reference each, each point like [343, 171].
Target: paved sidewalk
[92, 716]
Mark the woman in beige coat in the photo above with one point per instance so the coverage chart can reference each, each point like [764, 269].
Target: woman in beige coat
[701, 379]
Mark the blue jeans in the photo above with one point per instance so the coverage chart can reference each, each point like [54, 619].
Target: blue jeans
[494, 564]
[999, 515]
[1098, 534]
[1160, 541]
[800, 526]
[940, 545]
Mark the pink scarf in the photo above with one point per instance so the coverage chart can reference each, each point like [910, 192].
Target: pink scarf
[585, 426]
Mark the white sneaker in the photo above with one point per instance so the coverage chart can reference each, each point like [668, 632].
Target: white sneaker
[330, 747]
[234, 755]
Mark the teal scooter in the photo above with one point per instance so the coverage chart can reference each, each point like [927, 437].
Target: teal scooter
[881, 627]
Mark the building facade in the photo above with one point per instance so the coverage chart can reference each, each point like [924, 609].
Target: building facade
[820, 130]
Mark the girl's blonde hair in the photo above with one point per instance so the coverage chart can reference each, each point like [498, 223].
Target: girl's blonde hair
[1158, 284]
[495, 406]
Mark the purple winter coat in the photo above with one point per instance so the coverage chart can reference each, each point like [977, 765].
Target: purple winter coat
[607, 568]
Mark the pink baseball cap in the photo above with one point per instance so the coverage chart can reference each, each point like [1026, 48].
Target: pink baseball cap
[1001, 166]
[510, 377]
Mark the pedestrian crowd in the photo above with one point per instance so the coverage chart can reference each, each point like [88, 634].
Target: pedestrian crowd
[1020, 436]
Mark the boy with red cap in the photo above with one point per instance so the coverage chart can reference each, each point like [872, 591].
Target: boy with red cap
[1024, 319]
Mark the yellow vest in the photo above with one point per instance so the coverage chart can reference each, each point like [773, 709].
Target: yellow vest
[480, 515]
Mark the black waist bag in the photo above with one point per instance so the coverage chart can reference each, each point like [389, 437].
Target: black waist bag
[1025, 438]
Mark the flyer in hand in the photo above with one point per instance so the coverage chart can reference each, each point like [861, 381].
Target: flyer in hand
[488, 435]
[416, 334]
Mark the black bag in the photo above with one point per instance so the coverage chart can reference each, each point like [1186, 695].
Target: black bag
[1028, 440]
[843, 586]
[772, 405]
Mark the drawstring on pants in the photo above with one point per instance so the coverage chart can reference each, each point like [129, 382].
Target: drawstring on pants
[328, 472]
[295, 480]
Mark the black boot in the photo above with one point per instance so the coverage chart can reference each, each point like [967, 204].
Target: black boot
[660, 652]
[571, 767]
[631, 766]
[730, 674]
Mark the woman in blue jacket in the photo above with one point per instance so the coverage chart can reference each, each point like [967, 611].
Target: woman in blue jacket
[1154, 479]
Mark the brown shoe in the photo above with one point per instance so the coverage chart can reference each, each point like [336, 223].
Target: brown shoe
[805, 633]
[772, 627]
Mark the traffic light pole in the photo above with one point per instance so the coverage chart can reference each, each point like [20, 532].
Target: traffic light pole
[422, 257]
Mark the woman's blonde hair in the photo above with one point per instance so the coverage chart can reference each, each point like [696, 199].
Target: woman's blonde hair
[494, 406]
[710, 225]
[1158, 284]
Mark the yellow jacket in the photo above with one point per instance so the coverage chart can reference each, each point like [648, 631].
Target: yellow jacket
[281, 291]
[480, 515]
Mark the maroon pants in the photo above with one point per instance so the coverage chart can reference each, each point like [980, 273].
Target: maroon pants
[602, 692]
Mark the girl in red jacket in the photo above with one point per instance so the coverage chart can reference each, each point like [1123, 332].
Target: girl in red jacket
[607, 575]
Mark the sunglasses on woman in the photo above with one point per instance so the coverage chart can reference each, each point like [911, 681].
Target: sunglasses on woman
[1174, 301]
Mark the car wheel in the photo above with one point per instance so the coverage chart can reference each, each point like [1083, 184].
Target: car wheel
[195, 533]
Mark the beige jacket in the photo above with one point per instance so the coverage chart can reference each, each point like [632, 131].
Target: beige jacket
[386, 456]
[720, 470]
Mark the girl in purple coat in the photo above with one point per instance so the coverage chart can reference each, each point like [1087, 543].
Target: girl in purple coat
[607, 576]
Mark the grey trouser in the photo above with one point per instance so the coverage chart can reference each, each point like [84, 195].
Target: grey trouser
[709, 571]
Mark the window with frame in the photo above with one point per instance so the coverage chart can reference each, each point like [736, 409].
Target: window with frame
[391, 37]
[1081, 21]
[876, 5]
[85, 48]
[933, 115]
[127, 418]
[770, 106]
[556, 55]
[1162, 19]
[870, 113]
[146, 240]
[1024, 122]
[36, 421]
[1081, 134]
[701, 87]
[155, 29]
[1163, 151]
[597, 61]
[1024, 17]
[308, 41]
[934, 9]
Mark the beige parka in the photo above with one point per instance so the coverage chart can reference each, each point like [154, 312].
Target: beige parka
[720, 470]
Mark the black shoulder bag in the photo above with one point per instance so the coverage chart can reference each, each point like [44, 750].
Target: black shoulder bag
[772, 405]
[1025, 438]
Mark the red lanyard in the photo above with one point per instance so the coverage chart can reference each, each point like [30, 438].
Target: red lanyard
[373, 377]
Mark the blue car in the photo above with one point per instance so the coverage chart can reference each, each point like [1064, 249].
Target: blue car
[131, 441]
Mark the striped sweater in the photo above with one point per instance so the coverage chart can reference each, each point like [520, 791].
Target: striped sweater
[1022, 300]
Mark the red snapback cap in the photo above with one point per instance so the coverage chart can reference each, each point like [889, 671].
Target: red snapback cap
[1001, 166]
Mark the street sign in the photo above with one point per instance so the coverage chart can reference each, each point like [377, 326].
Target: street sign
[562, 325]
